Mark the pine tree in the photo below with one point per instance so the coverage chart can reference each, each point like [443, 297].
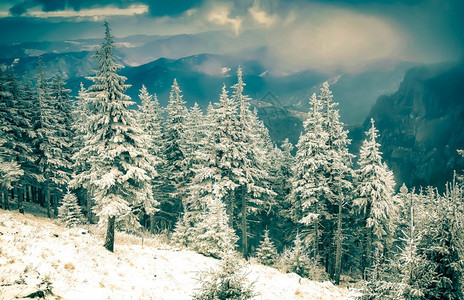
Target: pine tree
[63, 130]
[70, 211]
[228, 281]
[116, 148]
[338, 176]
[216, 172]
[253, 143]
[175, 150]
[266, 252]
[416, 272]
[375, 192]
[26, 145]
[196, 135]
[9, 168]
[282, 174]
[10, 172]
[214, 235]
[80, 117]
[149, 118]
[309, 181]
[296, 260]
[443, 244]
[54, 136]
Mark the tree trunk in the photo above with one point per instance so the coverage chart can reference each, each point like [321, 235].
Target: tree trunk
[88, 206]
[152, 223]
[109, 239]
[56, 200]
[316, 233]
[243, 225]
[339, 240]
[29, 194]
[20, 200]
[230, 208]
[5, 203]
[34, 197]
[47, 200]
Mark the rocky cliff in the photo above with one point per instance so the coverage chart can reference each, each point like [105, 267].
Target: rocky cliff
[421, 125]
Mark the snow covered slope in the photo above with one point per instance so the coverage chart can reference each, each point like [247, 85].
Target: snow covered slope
[39, 254]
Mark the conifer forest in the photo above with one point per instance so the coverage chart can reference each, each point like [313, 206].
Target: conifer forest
[210, 179]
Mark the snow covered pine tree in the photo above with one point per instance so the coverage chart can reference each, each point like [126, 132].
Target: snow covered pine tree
[116, 148]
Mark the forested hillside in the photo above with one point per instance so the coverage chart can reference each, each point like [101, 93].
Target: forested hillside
[214, 182]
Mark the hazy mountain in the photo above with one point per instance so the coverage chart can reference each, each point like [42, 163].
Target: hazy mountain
[421, 125]
[156, 60]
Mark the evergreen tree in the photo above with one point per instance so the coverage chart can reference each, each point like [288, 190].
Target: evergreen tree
[175, 150]
[253, 144]
[70, 211]
[296, 260]
[214, 235]
[196, 135]
[228, 281]
[266, 252]
[416, 272]
[80, 117]
[443, 244]
[9, 168]
[338, 177]
[149, 118]
[375, 202]
[309, 181]
[55, 136]
[282, 174]
[63, 129]
[26, 145]
[322, 178]
[116, 148]
[10, 172]
[216, 171]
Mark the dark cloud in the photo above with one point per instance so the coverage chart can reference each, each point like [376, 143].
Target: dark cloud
[21, 8]
[171, 8]
[52, 5]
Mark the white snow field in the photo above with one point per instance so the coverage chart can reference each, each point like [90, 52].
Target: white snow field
[39, 254]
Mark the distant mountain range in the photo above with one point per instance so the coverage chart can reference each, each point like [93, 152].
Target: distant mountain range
[203, 62]
[420, 121]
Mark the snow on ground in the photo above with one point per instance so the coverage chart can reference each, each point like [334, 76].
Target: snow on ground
[39, 254]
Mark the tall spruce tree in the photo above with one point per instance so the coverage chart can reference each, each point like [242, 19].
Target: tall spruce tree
[216, 171]
[375, 197]
[443, 244]
[55, 136]
[309, 181]
[30, 109]
[339, 176]
[149, 118]
[116, 148]
[25, 134]
[175, 150]
[10, 171]
[81, 112]
[254, 193]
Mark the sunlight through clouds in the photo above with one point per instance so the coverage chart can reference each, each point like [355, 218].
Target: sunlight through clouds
[132, 10]
[220, 15]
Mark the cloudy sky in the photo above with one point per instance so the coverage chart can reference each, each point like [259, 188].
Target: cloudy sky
[316, 33]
